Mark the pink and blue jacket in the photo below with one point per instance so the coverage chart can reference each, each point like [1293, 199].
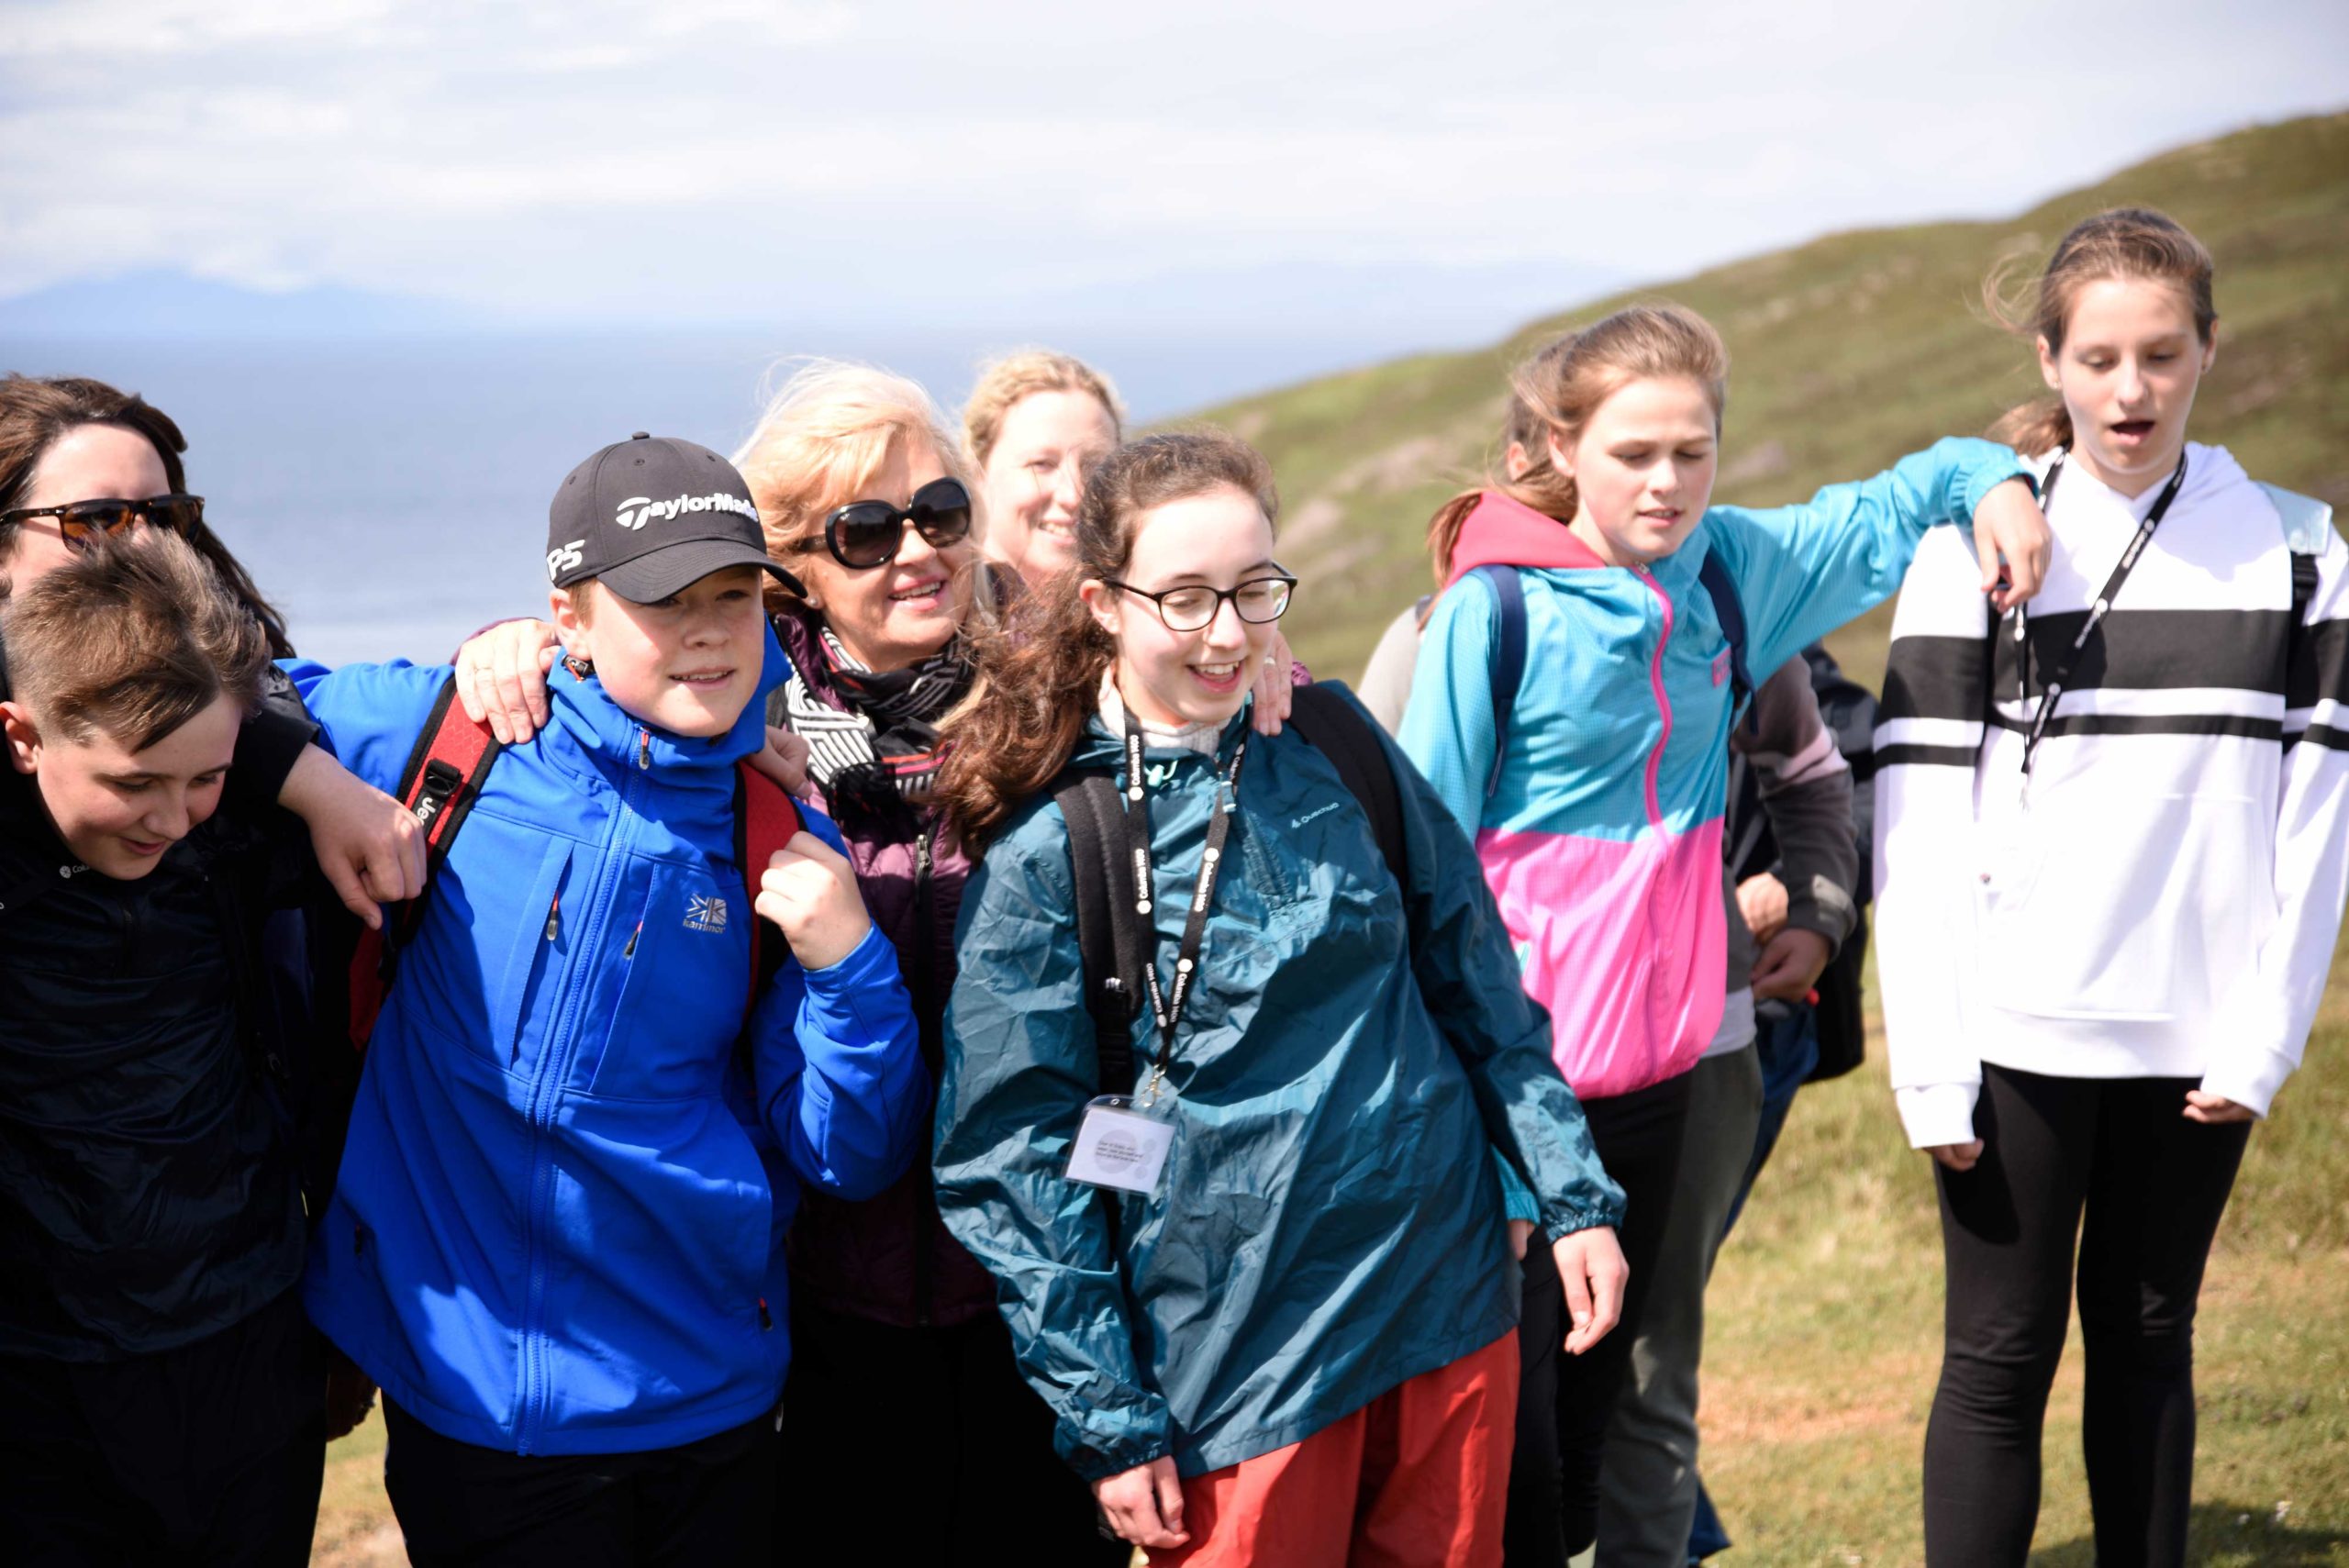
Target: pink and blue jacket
[1602, 841]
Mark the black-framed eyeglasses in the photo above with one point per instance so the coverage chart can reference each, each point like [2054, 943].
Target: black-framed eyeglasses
[79, 522]
[865, 534]
[1194, 606]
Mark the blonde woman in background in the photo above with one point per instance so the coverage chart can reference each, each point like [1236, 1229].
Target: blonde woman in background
[1035, 425]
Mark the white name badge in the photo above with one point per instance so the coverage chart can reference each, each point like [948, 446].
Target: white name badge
[1118, 1146]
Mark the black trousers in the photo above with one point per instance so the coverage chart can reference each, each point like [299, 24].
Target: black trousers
[208, 1453]
[2152, 1185]
[699, 1504]
[924, 1445]
[1564, 1402]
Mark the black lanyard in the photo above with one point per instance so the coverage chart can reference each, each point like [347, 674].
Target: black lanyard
[2053, 688]
[1168, 1009]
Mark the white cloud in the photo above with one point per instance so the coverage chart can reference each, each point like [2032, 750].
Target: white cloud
[732, 154]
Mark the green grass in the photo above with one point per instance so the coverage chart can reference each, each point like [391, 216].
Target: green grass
[1824, 1342]
[1825, 1310]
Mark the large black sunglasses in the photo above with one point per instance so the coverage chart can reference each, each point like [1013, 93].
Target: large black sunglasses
[79, 522]
[1193, 606]
[865, 534]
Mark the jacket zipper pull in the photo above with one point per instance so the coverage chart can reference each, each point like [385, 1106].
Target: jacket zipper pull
[766, 1318]
[644, 751]
[629, 951]
[554, 918]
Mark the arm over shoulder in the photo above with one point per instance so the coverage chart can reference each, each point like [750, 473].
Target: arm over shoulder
[1804, 569]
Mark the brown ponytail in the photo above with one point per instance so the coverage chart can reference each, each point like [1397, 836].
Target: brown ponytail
[1563, 385]
[2125, 242]
[1039, 673]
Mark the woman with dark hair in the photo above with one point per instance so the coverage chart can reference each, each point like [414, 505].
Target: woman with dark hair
[79, 458]
[161, 1392]
[1294, 1340]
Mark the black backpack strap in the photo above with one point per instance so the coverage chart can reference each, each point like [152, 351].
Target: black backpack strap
[1729, 610]
[1107, 925]
[1337, 729]
[2300, 654]
[1508, 658]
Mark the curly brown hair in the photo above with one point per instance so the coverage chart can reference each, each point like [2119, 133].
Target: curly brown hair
[1039, 672]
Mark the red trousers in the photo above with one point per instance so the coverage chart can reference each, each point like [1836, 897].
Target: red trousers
[1417, 1478]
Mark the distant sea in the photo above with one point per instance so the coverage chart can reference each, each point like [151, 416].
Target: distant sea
[390, 494]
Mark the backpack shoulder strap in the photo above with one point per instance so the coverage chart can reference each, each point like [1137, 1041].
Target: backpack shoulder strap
[439, 784]
[1729, 610]
[1507, 672]
[1334, 728]
[1106, 919]
[765, 820]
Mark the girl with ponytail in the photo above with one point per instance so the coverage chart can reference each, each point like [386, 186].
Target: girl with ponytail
[1294, 1340]
[1596, 799]
[2112, 849]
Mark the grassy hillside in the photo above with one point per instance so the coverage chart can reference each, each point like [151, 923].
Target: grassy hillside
[1845, 353]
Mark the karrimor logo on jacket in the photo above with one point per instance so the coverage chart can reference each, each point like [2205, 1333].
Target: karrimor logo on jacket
[638, 510]
[705, 913]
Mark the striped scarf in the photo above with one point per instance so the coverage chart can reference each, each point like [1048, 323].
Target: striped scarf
[885, 741]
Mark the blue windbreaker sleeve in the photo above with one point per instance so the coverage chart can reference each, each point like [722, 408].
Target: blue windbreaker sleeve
[369, 714]
[837, 1063]
[1468, 977]
[1802, 571]
[1021, 1064]
[1448, 729]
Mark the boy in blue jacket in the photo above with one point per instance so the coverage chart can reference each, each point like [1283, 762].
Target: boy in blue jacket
[557, 1238]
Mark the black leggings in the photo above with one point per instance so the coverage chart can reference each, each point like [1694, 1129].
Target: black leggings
[2153, 1185]
[1564, 1402]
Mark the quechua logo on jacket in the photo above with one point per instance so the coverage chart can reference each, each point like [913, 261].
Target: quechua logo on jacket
[638, 510]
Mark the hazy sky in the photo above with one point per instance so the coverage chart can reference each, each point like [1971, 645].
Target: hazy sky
[774, 159]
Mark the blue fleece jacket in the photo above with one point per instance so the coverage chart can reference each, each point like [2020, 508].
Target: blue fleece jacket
[558, 1226]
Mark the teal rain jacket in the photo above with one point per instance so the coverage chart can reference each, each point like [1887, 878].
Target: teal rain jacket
[1330, 1223]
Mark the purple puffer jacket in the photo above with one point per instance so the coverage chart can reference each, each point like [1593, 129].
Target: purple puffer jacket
[889, 1259]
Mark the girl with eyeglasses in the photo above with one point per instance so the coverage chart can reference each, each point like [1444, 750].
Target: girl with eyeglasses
[1036, 423]
[1295, 1340]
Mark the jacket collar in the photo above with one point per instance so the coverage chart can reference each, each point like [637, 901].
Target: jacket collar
[614, 738]
[1101, 747]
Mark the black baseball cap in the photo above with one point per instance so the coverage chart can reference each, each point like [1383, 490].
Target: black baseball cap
[650, 515]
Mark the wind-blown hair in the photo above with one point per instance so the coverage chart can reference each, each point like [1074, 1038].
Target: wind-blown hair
[823, 438]
[1039, 673]
[132, 637]
[2123, 242]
